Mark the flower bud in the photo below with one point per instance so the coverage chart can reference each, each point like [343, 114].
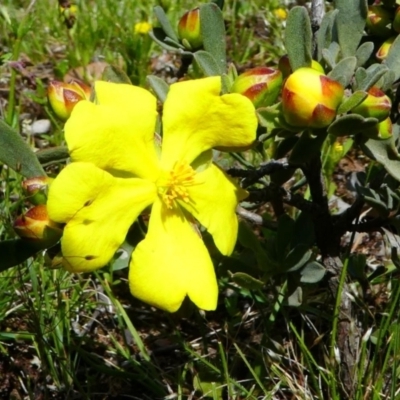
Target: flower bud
[310, 98]
[36, 189]
[63, 96]
[286, 69]
[382, 130]
[396, 21]
[189, 29]
[379, 21]
[376, 105]
[36, 227]
[383, 51]
[261, 85]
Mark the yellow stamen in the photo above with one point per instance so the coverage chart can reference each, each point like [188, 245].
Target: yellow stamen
[172, 185]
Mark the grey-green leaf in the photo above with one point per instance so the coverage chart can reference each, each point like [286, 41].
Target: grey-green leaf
[353, 101]
[114, 74]
[17, 154]
[159, 86]
[392, 61]
[313, 272]
[350, 23]
[165, 24]
[351, 124]
[52, 155]
[385, 152]
[373, 74]
[207, 63]
[297, 257]
[344, 70]
[298, 38]
[213, 32]
[325, 32]
[364, 53]
[247, 281]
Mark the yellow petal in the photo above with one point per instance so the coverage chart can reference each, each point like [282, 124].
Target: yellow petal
[117, 134]
[172, 262]
[98, 210]
[213, 200]
[196, 118]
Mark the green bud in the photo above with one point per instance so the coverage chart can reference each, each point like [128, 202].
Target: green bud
[189, 29]
[379, 21]
[37, 228]
[310, 99]
[376, 105]
[261, 85]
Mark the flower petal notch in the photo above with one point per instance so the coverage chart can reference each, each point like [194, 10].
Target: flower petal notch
[116, 175]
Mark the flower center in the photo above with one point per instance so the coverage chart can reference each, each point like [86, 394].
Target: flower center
[173, 184]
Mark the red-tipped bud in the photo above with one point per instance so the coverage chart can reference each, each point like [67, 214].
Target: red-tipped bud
[383, 51]
[36, 227]
[261, 85]
[376, 105]
[64, 96]
[396, 21]
[383, 130]
[189, 29]
[36, 189]
[379, 21]
[310, 99]
[286, 69]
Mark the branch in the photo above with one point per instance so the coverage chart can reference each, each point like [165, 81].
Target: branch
[253, 175]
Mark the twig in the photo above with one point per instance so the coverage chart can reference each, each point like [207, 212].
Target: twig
[253, 175]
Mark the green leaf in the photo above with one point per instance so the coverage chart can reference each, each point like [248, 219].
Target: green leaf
[344, 70]
[350, 23]
[308, 146]
[313, 272]
[373, 74]
[213, 32]
[297, 257]
[298, 38]
[165, 24]
[351, 124]
[246, 281]
[385, 153]
[364, 53]
[158, 35]
[284, 236]
[248, 239]
[296, 297]
[392, 61]
[387, 80]
[207, 63]
[14, 252]
[325, 31]
[52, 155]
[17, 154]
[331, 54]
[372, 198]
[115, 74]
[353, 101]
[303, 230]
[159, 86]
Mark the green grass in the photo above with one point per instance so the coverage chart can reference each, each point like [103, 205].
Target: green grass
[65, 336]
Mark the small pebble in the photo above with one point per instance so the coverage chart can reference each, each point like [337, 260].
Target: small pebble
[40, 127]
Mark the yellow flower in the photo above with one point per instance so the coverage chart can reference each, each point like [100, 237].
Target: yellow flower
[142, 28]
[116, 173]
[280, 13]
